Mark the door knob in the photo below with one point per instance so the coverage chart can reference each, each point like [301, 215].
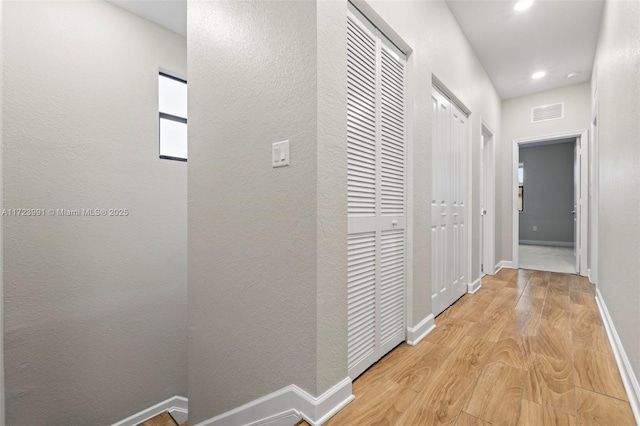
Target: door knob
[573, 212]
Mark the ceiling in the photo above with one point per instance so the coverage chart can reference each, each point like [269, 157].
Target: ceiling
[171, 14]
[556, 36]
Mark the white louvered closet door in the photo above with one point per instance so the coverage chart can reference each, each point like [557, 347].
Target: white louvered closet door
[448, 202]
[376, 194]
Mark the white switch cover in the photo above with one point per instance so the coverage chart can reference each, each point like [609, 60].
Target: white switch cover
[535, 228]
[280, 154]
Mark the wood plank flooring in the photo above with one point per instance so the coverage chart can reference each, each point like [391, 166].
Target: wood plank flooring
[163, 419]
[529, 348]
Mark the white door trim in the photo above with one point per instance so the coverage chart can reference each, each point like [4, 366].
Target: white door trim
[487, 201]
[595, 194]
[584, 219]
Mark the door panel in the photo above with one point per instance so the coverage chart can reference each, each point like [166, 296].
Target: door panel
[441, 251]
[391, 220]
[458, 143]
[362, 176]
[362, 297]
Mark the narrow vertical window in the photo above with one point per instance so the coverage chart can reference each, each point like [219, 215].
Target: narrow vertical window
[172, 106]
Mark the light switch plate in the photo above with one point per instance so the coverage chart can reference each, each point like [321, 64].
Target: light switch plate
[280, 154]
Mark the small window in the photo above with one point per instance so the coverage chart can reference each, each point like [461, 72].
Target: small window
[172, 106]
[521, 187]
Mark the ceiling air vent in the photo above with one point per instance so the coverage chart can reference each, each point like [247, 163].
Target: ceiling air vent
[547, 112]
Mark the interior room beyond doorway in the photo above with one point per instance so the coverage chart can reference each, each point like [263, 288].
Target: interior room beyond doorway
[546, 205]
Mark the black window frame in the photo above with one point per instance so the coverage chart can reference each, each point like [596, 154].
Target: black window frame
[162, 115]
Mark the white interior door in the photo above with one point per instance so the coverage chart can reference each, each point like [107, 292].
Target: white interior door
[376, 194]
[583, 206]
[487, 212]
[581, 191]
[576, 205]
[448, 203]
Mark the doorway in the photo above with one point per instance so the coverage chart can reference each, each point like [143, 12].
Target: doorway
[550, 215]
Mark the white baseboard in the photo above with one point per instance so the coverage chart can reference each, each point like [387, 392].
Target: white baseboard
[591, 280]
[177, 406]
[316, 411]
[419, 332]
[547, 243]
[504, 264]
[626, 371]
[474, 286]
[287, 406]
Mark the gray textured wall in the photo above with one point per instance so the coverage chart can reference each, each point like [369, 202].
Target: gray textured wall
[95, 307]
[548, 192]
[252, 228]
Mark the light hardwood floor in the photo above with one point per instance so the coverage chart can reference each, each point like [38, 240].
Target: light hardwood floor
[163, 419]
[529, 348]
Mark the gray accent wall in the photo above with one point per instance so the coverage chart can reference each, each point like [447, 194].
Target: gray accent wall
[95, 320]
[548, 193]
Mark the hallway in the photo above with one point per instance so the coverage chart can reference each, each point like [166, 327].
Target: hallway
[529, 348]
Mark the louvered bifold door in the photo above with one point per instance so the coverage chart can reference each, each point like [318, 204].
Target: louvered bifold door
[362, 167]
[391, 220]
[376, 195]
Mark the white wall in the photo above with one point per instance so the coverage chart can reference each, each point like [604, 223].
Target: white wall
[440, 48]
[95, 307]
[516, 124]
[618, 91]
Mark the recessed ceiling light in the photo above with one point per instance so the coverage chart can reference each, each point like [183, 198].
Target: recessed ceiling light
[522, 5]
[538, 75]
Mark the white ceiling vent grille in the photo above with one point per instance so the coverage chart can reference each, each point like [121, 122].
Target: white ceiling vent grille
[547, 112]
